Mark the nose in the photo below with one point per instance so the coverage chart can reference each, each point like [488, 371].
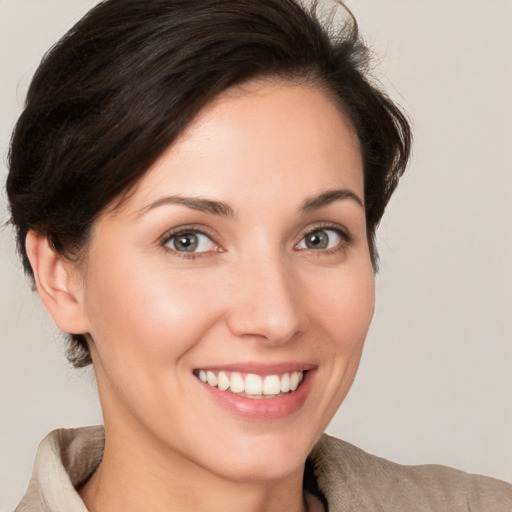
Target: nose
[266, 302]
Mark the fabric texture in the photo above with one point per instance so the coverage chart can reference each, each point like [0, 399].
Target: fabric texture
[349, 479]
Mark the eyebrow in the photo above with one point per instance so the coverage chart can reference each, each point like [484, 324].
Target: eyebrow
[196, 203]
[329, 197]
[223, 209]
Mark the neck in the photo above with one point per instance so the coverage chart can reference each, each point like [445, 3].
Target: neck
[138, 474]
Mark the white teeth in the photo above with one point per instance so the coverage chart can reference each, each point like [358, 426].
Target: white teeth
[294, 380]
[285, 383]
[237, 384]
[223, 381]
[212, 378]
[252, 385]
[271, 385]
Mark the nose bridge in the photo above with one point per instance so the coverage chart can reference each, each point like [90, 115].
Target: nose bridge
[266, 303]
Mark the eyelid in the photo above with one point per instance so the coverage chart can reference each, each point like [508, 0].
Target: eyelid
[185, 228]
[340, 230]
[343, 232]
[188, 228]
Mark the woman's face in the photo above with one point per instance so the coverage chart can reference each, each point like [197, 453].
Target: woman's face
[240, 258]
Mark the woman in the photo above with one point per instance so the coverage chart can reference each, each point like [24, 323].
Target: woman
[198, 209]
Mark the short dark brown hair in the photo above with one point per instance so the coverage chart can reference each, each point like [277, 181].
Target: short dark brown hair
[125, 81]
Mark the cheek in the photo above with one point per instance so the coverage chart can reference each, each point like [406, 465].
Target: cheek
[344, 307]
[146, 312]
[341, 311]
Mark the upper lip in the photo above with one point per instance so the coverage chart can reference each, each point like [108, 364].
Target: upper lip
[260, 369]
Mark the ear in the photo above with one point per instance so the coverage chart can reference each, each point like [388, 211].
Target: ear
[59, 284]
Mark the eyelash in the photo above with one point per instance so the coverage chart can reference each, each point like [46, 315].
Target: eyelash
[345, 236]
[346, 239]
[176, 232]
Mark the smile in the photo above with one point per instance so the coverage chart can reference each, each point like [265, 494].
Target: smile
[252, 385]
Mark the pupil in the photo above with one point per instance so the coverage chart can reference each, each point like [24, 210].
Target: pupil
[186, 243]
[317, 240]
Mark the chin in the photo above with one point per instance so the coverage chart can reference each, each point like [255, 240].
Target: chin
[263, 457]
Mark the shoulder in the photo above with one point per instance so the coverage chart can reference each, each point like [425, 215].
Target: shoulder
[65, 459]
[352, 479]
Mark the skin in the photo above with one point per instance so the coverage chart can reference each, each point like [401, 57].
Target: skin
[255, 294]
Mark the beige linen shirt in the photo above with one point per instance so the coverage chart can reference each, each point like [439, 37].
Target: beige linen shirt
[350, 479]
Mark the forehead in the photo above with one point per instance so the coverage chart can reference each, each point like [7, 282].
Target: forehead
[257, 138]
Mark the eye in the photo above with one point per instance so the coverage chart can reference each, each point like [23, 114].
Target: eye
[321, 239]
[190, 242]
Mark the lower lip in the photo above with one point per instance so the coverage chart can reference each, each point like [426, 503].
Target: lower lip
[263, 408]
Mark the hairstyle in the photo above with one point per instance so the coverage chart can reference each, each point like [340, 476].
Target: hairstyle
[127, 79]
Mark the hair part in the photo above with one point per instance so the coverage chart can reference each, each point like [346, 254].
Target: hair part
[128, 78]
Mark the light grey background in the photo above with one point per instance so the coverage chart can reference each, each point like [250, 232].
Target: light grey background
[435, 383]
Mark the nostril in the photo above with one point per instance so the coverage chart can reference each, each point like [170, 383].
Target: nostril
[277, 326]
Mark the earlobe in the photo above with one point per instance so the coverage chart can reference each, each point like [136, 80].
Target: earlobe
[58, 283]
